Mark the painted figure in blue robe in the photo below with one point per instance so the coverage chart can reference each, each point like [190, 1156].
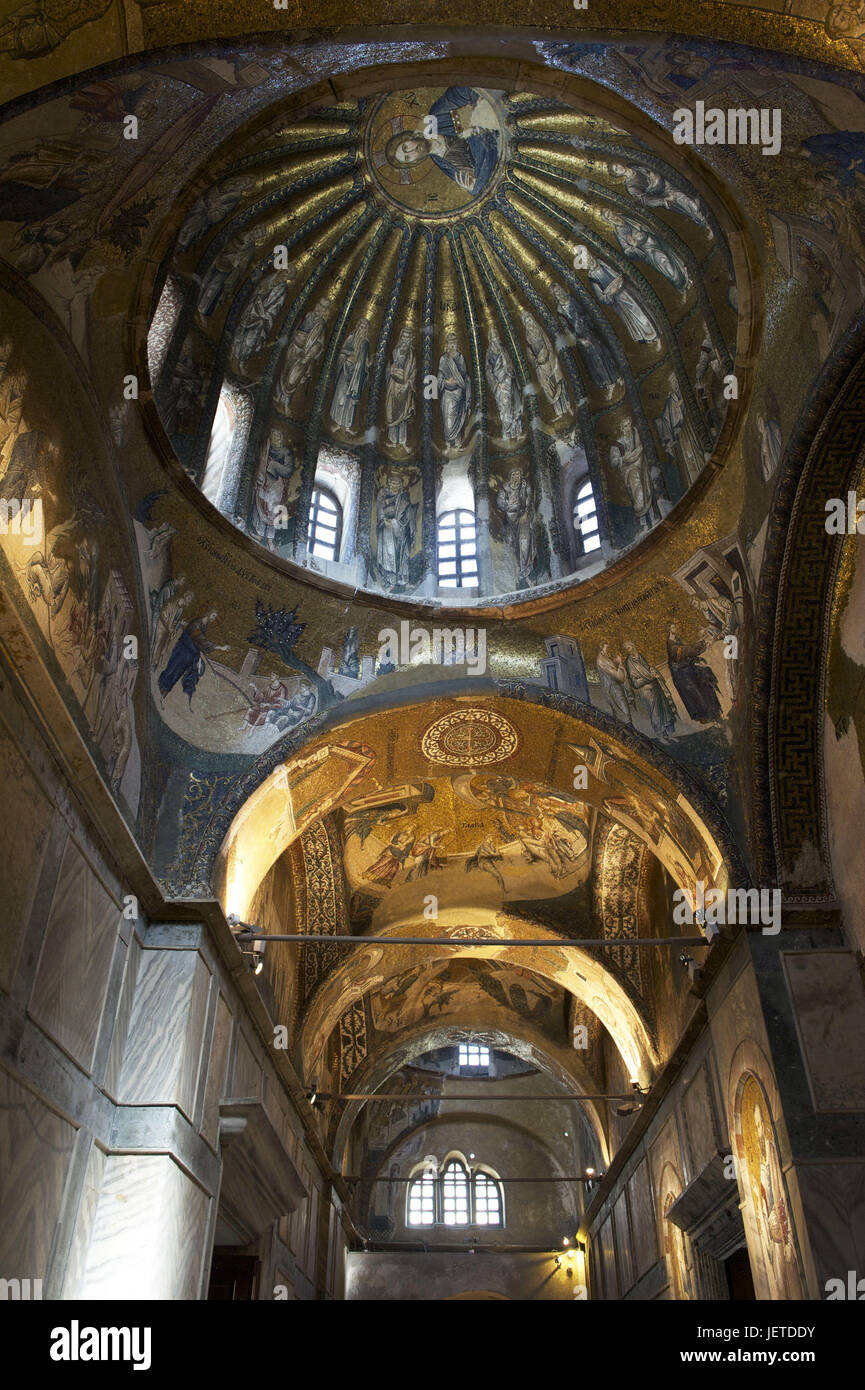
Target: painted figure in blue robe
[470, 159]
[693, 678]
[186, 663]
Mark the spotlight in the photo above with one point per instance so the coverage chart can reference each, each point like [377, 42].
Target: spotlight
[566, 1240]
[694, 970]
[252, 951]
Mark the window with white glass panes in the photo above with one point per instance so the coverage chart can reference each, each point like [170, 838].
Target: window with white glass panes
[586, 518]
[457, 550]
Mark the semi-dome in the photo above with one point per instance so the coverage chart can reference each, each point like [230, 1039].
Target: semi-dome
[446, 343]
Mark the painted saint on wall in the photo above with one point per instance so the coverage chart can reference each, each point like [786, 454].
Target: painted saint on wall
[639, 244]
[400, 390]
[306, 346]
[610, 287]
[270, 493]
[396, 518]
[502, 381]
[678, 437]
[259, 318]
[653, 190]
[455, 392]
[769, 435]
[353, 364]
[628, 460]
[650, 690]
[693, 678]
[514, 501]
[546, 364]
[766, 1192]
[186, 663]
[592, 349]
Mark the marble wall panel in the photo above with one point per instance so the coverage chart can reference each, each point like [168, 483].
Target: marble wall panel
[829, 999]
[608, 1258]
[833, 1200]
[623, 1243]
[215, 1088]
[248, 1080]
[123, 1015]
[148, 1238]
[69, 990]
[35, 1151]
[86, 1215]
[643, 1225]
[700, 1124]
[26, 822]
[166, 1031]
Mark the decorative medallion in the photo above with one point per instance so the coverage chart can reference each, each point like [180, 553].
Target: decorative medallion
[437, 150]
[470, 738]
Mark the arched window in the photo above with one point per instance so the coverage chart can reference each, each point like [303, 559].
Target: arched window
[219, 448]
[457, 556]
[586, 518]
[324, 533]
[455, 1195]
[487, 1201]
[421, 1201]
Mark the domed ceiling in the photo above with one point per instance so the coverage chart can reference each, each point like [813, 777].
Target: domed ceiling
[450, 307]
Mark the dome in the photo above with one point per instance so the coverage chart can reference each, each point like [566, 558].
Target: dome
[447, 344]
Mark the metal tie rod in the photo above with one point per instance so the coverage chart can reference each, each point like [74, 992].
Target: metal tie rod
[419, 1095]
[595, 1178]
[585, 943]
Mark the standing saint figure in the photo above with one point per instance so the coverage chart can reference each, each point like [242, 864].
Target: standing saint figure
[171, 620]
[186, 663]
[651, 691]
[614, 682]
[399, 396]
[593, 350]
[708, 383]
[306, 346]
[455, 391]
[258, 318]
[693, 678]
[724, 619]
[514, 501]
[502, 381]
[639, 244]
[233, 260]
[678, 437]
[546, 364]
[610, 289]
[772, 1213]
[769, 431]
[628, 459]
[212, 207]
[654, 191]
[395, 525]
[269, 512]
[353, 362]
